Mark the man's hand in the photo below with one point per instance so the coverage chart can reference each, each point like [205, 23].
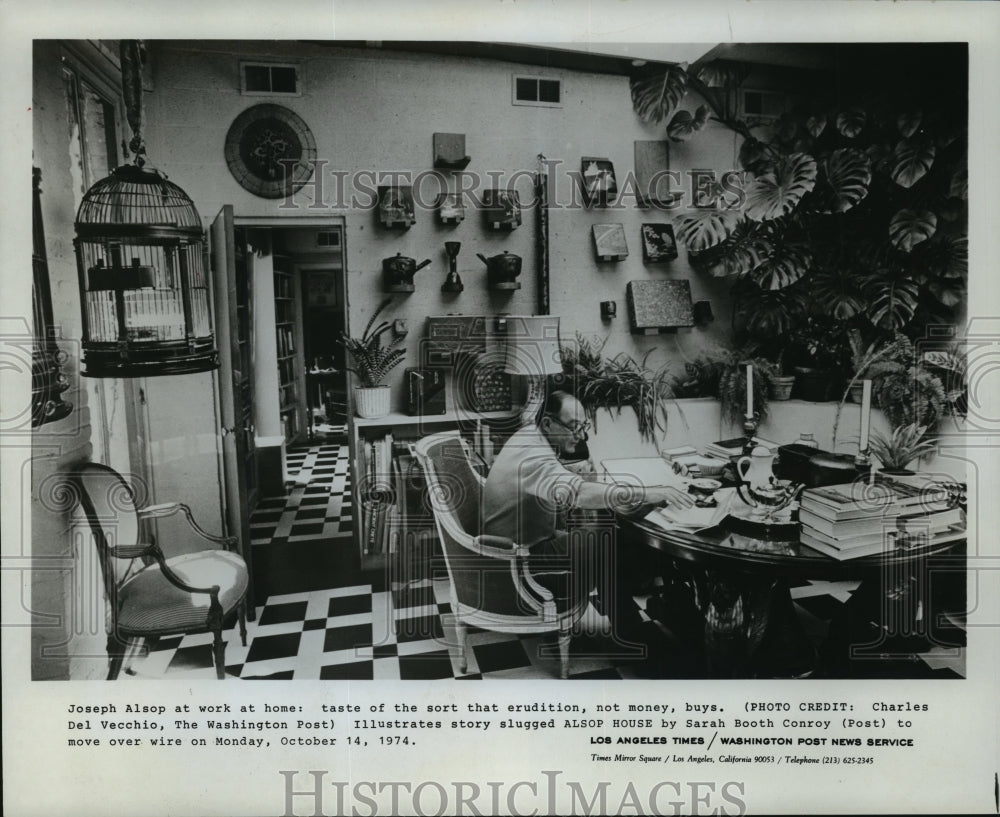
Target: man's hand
[670, 495]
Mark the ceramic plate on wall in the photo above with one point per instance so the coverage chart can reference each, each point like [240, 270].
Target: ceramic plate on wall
[270, 151]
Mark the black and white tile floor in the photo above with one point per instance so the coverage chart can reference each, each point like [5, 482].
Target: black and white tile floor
[319, 618]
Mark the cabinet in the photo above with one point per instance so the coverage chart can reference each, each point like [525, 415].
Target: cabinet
[291, 361]
[393, 526]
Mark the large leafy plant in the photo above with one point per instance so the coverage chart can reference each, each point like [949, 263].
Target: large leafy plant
[855, 209]
[615, 383]
[372, 358]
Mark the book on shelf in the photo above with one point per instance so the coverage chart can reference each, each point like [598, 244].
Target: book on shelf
[867, 525]
[885, 497]
[886, 544]
[734, 447]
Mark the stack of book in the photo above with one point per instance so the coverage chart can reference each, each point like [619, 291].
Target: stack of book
[851, 521]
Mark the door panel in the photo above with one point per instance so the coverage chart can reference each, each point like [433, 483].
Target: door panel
[235, 367]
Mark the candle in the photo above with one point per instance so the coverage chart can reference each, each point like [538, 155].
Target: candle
[749, 392]
[866, 414]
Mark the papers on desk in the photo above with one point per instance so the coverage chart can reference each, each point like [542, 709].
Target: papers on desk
[649, 472]
[693, 519]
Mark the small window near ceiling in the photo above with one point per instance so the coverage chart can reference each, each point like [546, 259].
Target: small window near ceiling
[538, 91]
[328, 238]
[269, 79]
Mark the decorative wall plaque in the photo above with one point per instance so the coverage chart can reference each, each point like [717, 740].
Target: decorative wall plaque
[270, 151]
[609, 242]
[658, 243]
[598, 178]
[656, 305]
[502, 209]
[395, 205]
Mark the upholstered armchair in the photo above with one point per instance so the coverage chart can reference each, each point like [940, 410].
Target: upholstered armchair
[148, 593]
[491, 586]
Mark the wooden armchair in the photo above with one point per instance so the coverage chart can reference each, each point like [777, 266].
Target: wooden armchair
[191, 593]
[490, 584]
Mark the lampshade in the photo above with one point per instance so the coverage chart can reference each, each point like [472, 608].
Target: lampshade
[532, 345]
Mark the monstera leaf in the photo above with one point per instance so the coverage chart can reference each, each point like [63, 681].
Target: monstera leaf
[907, 123]
[816, 125]
[892, 302]
[851, 122]
[786, 266]
[700, 229]
[683, 125]
[778, 192]
[754, 155]
[948, 256]
[910, 162]
[769, 313]
[723, 73]
[742, 252]
[911, 227]
[959, 187]
[848, 174]
[656, 94]
[839, 293]
[949, 291]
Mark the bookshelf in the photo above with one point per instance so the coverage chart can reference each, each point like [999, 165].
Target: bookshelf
[291, 362]
[393, 526]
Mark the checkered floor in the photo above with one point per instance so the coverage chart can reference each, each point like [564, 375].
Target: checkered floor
[318, 617]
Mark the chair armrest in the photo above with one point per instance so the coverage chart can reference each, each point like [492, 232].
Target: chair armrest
[170, 508]
[499, 547]
[136, 551]
[177, 581]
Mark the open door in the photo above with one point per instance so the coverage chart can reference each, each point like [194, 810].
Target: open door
[232, 324]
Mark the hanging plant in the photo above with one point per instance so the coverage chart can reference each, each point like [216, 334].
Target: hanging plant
[778, 192]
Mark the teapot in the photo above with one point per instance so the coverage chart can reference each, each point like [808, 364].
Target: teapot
[765, 493]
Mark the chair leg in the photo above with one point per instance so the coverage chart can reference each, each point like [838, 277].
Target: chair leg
[242, 614]
[463, 649]
[219, 654]
[116, 655]
[564, 638]
[461, 632]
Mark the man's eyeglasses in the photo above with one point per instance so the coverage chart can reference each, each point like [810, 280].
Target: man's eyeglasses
[579, 429]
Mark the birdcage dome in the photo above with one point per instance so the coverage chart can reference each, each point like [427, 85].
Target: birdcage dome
[133, 198]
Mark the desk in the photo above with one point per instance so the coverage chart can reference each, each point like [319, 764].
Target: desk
[741, 589]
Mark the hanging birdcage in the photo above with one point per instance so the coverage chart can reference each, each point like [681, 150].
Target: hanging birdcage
[140, 255]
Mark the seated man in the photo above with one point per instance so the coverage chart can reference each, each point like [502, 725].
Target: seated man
[528, 492]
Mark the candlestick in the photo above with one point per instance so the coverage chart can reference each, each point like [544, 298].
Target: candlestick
[749, 390]
[866, 414]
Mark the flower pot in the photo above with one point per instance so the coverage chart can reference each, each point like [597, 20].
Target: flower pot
[372, 403]
[781, 387]
[897, 472]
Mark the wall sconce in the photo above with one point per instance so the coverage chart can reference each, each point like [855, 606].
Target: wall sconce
[609, 310]
[702, 311]
[140, 255]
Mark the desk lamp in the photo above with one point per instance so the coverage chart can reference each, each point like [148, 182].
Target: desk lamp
[532, 351]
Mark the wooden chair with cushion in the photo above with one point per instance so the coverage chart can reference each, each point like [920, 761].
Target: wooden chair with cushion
[149, 594]
[491, 587]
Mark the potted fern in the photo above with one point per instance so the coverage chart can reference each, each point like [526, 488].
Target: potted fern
[899, 449]
[373, 360]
